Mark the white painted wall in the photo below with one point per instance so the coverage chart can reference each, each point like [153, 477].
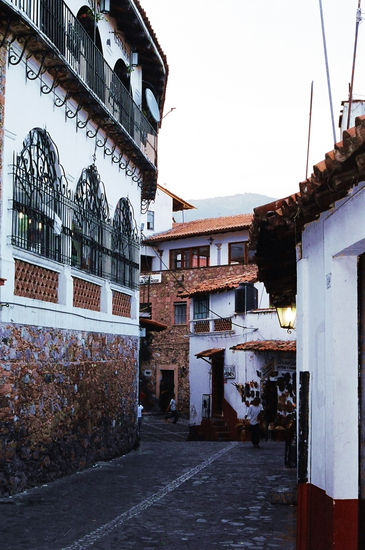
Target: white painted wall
[76, 152]
[203, 240]
[258, 325]
[327, 341]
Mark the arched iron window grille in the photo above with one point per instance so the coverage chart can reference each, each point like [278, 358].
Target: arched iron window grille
[41, 200]
[91, 228]
[125, 245]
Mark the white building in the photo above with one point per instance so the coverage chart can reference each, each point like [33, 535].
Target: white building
[325, 220]
[238, 352]
[82, 94]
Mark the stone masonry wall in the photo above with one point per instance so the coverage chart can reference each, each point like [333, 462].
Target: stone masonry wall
[171, 346]
[67, 400]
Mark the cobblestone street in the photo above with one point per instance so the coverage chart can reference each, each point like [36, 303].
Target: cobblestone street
[169, 493]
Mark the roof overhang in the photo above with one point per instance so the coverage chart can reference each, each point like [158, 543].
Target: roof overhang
[209, 352]
[277, 227]
[150, 324]
[178, 204]
[267, 345]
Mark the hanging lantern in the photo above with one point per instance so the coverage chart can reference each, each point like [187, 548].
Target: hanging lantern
[287, 316]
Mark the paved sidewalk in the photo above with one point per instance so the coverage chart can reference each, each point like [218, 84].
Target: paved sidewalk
[171, 494]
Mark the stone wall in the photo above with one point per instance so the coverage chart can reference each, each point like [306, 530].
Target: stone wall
[171, 346]
[67, 400]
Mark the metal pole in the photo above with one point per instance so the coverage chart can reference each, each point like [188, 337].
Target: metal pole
[309, 130]
[358, 20]
[328, 73]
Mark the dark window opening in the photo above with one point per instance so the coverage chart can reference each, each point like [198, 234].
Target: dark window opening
[186, 258]
[150, 219]
[201, 306]
[180, 313]
[237, 253]
[146, 264]
[145, 310]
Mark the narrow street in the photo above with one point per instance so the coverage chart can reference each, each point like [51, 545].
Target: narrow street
[169, 493]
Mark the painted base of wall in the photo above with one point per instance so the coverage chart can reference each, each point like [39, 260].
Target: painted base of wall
[324, 523]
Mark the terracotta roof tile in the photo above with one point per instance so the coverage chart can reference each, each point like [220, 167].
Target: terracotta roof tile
[267, 345]
[203, 227]
[209, 352]
[224, 282]
[151, 324]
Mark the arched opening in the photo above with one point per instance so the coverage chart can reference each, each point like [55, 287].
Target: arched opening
[90, 226]
[92, 51]
[119, 96]
[125, 246]
[39, 196]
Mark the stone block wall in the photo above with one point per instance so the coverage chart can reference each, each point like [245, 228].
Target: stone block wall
[67, 400]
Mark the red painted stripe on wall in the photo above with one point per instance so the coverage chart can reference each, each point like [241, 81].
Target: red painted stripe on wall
[324, 523]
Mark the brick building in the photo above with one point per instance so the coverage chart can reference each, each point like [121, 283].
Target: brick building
[77, 168]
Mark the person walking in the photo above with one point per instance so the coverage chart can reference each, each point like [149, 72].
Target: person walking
[139, 417]
[171, 411]
[253, 415]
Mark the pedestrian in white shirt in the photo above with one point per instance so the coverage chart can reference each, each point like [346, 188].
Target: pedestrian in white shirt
[139, 417]
[254, 415]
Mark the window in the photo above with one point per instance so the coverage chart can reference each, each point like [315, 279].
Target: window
[150, 219]
[74, 229]
[186, 258]
[125, 245]
[146, 263]
[201, 306]
[90, 224]
[145, 309]
[237, 252]
[40, 198]
[180, 313]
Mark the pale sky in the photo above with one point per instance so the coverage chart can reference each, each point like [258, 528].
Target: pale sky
[240, 79]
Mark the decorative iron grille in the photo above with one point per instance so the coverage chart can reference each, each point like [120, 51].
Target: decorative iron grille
[70, 37]
[73, 229]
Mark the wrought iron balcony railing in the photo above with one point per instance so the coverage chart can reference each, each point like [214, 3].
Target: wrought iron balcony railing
[55, 20]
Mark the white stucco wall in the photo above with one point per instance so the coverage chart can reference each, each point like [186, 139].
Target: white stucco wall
[327, 341]
[222, 239]
[76, 152]
[258, 325]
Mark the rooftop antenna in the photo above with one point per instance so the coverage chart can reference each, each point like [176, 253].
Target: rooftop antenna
[328, 73]
[358, 21]
[309, 130]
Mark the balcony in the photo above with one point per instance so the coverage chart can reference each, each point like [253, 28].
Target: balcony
[216, 324]
[73, 60]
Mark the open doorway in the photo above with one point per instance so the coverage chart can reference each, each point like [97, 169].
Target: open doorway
[167, 388]
[217, 384]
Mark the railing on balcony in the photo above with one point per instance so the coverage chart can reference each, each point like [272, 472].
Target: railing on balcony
[64, 30]
[216, 324]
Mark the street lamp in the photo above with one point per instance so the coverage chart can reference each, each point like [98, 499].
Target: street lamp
[287, 314]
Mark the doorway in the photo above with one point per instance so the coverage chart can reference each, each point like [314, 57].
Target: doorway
[217, 384]
[167, 388]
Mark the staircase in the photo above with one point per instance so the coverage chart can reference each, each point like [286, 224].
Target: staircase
[220, 429]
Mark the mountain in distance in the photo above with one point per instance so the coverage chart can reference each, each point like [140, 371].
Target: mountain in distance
[222, 206]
